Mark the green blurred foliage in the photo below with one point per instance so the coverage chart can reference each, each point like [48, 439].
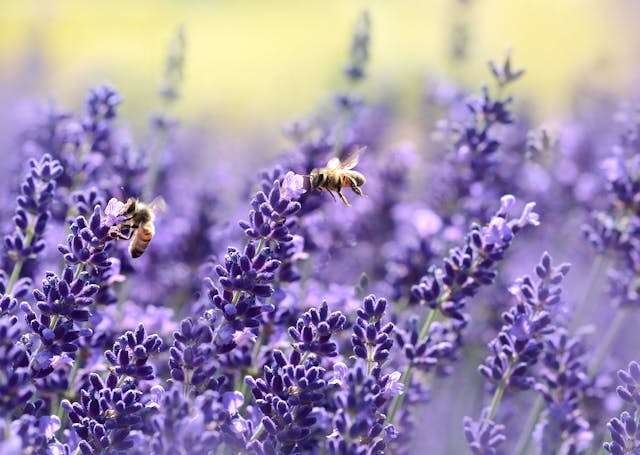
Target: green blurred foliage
[257, 63]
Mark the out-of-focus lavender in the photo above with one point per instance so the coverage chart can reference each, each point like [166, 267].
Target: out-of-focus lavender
[275, 320]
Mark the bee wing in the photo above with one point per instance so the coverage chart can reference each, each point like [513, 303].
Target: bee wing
[158, 206]
[352, 159]
[333, 163]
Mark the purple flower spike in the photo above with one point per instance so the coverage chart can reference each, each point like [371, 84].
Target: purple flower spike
[32, 212]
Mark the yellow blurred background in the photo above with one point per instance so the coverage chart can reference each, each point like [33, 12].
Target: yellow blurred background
[262, 62]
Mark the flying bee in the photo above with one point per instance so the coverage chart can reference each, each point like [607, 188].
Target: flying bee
[138, 224]
[338, 174]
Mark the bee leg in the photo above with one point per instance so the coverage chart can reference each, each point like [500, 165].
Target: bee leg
[119, 235]
[354, 186]
[116, 232]
[356, 189]
[332, 195]
[343, 199]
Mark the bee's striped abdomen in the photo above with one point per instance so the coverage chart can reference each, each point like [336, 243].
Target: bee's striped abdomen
[141, 240]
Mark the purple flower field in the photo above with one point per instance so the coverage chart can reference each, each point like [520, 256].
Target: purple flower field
[349, 297]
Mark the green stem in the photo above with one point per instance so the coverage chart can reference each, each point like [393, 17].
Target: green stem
[583, 308]
[256, 434]
[304, 357]
[72, 380]
[15, 274]
[499, 393]
[17, 267]
[243, 388]
[260, 246]
[497, 396]
[607, 340]
[525, 436]
[369, 360]
[69, 393]
[78, 271]
[426, 326]
[121, 380]
[54, 321]
[187, 382]
[398, 400]
[406, 374]
[601, 353]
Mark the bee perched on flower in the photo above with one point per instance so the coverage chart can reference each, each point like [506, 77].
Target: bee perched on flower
[134, 220]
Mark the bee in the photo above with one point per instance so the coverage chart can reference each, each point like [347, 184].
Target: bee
[138, 224]
[338, 174]
[111, 413]
[294, 390]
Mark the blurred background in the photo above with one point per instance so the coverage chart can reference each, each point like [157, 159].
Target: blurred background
[253, 64]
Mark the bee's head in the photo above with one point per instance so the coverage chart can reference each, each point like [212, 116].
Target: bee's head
[316, 179]
[131, 206]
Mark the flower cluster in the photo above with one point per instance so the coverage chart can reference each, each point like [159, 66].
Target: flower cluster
[190, 354]
[358, 424]
[371, 340]
[32, 212]
[518, 347]
[101, 107]
[563, 384]
[314, 330]
[246, 279]
[475, 160]
[129, 356]
[106, 415]
[87, 244]
[62, 303]
[519, 343]
[317, 328]
[15, 383]
[624, 430]
[65, 301]
[614, 231]
[472, 266]
[286, 396]
[173, 428]
[364, 392]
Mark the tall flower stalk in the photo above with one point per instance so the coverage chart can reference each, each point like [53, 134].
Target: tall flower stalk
[527, 326]
[447, 290]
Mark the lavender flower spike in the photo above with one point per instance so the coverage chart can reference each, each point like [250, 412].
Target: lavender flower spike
[625, 434]
[32, 214]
